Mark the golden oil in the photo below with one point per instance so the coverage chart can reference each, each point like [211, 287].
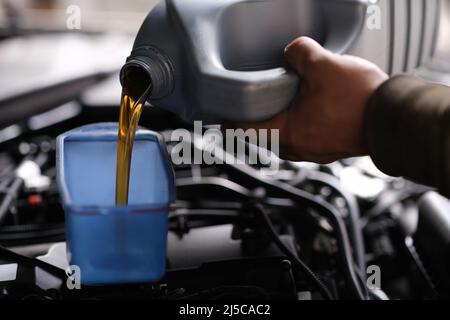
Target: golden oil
[130, 113]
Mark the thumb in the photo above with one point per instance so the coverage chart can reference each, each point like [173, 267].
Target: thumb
[303, 51]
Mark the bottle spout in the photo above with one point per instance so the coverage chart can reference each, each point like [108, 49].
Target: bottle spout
[135, 80]
[144, 68]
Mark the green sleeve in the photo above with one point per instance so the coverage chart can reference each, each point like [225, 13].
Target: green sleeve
[408, 131]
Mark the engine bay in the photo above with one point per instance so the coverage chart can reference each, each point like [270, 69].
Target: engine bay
[311, 232]
[236, 232]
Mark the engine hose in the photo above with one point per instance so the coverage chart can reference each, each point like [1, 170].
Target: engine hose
[324, 291]
[356, 229]
[306, 198]
[343, 241]
[331, 213]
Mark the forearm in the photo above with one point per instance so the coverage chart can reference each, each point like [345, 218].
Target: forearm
[408, 131]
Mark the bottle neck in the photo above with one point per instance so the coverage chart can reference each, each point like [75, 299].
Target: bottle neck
[147, 67]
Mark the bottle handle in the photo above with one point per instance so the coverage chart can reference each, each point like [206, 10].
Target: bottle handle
[265, 93]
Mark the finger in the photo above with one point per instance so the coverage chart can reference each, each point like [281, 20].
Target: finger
[278, 122]
[297, 154]
[303, 51]
[307, 157]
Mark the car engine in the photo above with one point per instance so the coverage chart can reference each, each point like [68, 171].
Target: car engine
[237, 232]
[310, 232]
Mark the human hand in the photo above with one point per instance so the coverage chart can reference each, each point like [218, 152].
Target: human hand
[325, 121]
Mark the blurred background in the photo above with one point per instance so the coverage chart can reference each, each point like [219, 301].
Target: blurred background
[99, 15]
[60, 58]
[442, 54]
